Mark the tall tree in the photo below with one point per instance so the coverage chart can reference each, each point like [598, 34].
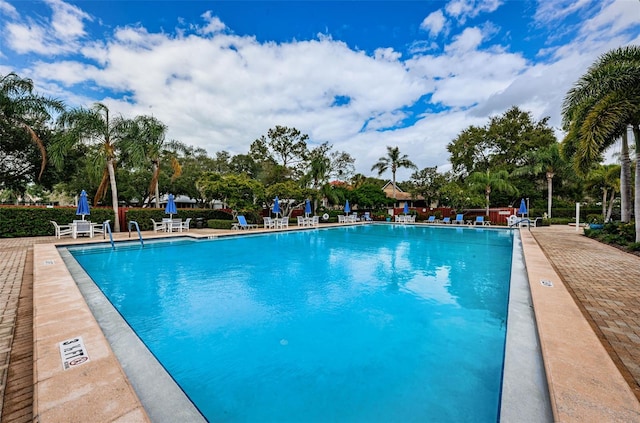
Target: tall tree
[283, 152]
[427, 183]
[393, 160]
[489, 181]
[23, 118]
[94, 126]
[148, 136]
[605, 179]
[598, 110]
[546, 161]
[502, 144]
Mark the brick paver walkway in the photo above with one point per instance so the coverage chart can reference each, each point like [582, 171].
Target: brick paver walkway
[16, 334]
[604, 281]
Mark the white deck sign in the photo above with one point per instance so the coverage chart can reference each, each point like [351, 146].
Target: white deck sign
[73, 352]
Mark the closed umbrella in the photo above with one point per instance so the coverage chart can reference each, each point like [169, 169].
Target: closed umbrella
[523, 208]
[276, 206]
[83, 205]
[347, 209]
[307, 208]
[171, 206]
[406, 208]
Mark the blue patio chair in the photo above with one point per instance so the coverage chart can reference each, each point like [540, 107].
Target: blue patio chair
[242, 224]
[446, 220]
[480, 221]
[459, 219]
[431, 219]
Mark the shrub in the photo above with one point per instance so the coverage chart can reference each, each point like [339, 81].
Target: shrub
[219, 224]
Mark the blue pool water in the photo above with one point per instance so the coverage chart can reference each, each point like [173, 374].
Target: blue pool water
[375, 323]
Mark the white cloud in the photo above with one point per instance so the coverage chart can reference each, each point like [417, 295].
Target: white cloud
[8, 10]
[214, 24]
[463, 9]
[221, 91]
[435, 23]
[58, 35]
[67, 21]
[549, 12]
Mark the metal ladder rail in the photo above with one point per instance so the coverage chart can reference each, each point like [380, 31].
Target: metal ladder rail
[106, 227]
[134, 223]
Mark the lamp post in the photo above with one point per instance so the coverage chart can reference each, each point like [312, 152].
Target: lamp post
[528, 208]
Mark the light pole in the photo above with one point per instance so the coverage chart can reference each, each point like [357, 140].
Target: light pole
[528, 209]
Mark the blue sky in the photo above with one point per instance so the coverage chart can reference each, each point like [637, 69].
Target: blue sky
[361, 75]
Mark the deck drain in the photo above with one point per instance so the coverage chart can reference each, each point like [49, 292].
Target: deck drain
[49, 262]
[546, 282]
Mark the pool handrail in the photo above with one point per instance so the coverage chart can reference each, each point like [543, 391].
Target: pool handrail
[106, 227]
[134, 223]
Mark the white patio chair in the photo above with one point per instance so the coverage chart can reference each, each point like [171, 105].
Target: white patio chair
[61, 230]
[185, 224]
[158, 225]
[269, 223]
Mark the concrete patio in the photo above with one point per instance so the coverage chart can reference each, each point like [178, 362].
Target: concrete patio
[603, 281]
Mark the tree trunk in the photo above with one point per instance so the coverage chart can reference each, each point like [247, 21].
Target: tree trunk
[394, 192]
[610, 210]
[625, 180]
[156, 188]
[114, 194]
[604, 200]
[636, 133]
[550, 192]
[487, 192]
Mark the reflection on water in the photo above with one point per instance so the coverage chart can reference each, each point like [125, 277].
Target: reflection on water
[319, 325]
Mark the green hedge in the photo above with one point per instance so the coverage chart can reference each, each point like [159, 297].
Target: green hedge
[35, 221]
[18, 221]
[219, 224]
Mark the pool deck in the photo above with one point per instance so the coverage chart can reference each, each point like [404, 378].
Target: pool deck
[591, 350]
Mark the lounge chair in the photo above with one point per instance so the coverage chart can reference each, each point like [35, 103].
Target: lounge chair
[431, 219]
[446, 220]
[61, 230]
[480, 221]
[459, 219]
[242, 224]
[367, 217]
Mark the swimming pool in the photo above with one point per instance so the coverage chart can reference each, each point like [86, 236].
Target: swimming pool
[368, 323]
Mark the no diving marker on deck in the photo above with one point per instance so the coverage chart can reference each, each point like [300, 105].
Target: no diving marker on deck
[546, 282]
[73, 353]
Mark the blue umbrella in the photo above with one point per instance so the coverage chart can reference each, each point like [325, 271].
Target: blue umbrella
[171, 206]
[83, 205]
[276, 206]
[523, 208]
[406, 208]
[307, 208]
[347, 209]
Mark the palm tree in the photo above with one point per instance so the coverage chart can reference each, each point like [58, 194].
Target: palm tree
[94, 126]
[148, 144]
[21, 108]
[488, 181]
[604, 178]
[598, 110]
[548, 161]
[393, 160]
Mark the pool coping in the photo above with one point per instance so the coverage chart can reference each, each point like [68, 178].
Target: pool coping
[603, 398]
